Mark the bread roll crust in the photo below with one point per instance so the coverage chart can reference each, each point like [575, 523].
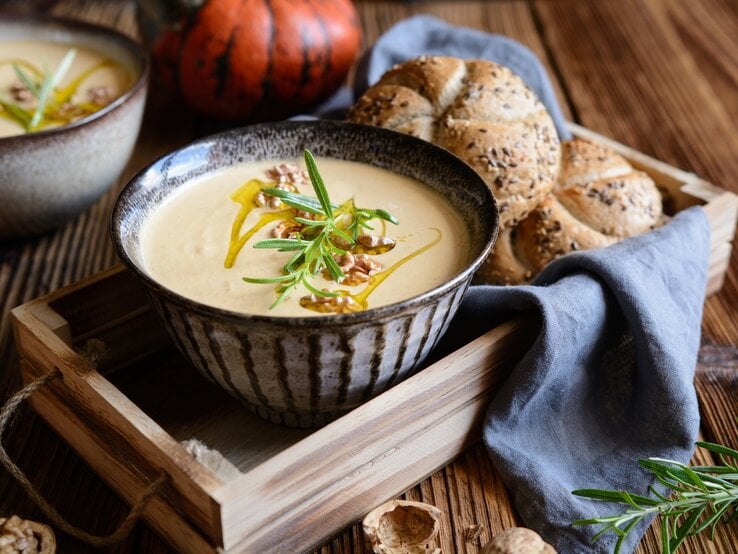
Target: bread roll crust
[601, 189]
[505, 265]
[599, 200]
[551, 231]
[480, 111]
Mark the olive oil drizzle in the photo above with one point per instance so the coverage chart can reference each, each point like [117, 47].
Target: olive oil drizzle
[342, 223]
[246, 197]
[357, 302]
[52, 112]
[378, 278]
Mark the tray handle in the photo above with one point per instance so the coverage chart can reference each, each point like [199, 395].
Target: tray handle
[6, 413]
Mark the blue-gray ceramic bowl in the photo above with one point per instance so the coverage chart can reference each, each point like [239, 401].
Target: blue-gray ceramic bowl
[48, 177]
[305, 371]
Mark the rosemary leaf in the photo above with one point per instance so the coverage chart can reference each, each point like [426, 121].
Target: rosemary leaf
[318, 185]
[702, 497]
[297, 201]
[267, 280]
[26, 80]
[19, 114]
[48, 84]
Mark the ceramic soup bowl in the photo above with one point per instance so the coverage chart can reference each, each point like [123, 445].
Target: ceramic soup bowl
[305, 371]
[50, 175]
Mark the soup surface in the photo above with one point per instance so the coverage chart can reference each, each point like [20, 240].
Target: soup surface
[188, 241]
[90, 83]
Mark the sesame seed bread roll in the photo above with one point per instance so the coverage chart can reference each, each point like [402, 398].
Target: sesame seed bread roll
[506, 265]
[601, 189]
[599, 200]
[480, 111]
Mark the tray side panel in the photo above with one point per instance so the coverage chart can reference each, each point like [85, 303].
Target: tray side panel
[113, 469]
[375, 452]
[722, 214]
[119, 425]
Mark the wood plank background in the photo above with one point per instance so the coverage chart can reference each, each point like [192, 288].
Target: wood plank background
[658, 75]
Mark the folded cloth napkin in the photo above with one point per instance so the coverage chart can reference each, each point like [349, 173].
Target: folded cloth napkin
[609, 379]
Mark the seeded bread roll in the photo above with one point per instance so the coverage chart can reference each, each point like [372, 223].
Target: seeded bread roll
[599, 200]
[480, 111]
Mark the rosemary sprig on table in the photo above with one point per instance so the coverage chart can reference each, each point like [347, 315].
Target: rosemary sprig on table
[702, 497]
[41, 91]
[317, 242]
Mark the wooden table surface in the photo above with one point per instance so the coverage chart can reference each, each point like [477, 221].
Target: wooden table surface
[658, 75]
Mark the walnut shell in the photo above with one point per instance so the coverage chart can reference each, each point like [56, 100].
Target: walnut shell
[403, 527]
[22, 536]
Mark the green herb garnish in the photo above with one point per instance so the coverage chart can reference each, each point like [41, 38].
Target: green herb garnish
[319, 240]
[41, 91]
[702, 497]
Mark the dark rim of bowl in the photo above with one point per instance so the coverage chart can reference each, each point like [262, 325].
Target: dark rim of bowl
[305, 321]
[136, 49]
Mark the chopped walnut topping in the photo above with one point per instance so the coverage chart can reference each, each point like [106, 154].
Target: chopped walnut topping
[366, 264]
[360, 262]
[374, 244]
[264, 199]
[330, 304]
[20, 92]
[372, 241]
[357, 268]
[69, 110]
[355, 277]
[100, 95]
[304, 215]
[346, 261]
[288, 173]
[288, 229]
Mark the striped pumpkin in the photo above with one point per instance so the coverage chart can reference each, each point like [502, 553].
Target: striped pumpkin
[258, 59]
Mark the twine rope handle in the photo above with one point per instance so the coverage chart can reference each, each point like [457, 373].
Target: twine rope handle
[6, 413]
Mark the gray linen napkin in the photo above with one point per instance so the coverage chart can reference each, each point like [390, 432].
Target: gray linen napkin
[609, 377]
[608, 380]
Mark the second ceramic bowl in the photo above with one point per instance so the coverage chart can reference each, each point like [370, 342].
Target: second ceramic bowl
[49, 176]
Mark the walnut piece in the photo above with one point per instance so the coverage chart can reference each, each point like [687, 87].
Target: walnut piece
[356, 267]
[288, 173]
[22, 536]
[374, 244]
[100, 95]
[403, 527]
[330, 304]
[517, 540]
[21, 93]
[288, 229]
[264, 199]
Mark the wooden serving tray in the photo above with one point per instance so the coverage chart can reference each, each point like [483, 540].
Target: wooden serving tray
[127, 409]
[127, 399]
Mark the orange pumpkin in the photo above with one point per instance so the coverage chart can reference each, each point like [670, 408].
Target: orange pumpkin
[258, 59]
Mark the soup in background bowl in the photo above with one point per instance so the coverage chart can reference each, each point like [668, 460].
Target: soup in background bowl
[56, 166]
[299, 366]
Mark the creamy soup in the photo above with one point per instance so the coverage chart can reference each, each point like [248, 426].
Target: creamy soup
[90, 83]
[199, 244]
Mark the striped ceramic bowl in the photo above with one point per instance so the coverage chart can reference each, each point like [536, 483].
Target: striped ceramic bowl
[305, 371]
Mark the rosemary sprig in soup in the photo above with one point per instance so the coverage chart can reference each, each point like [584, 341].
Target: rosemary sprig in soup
[321, 237]
[33, 96]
